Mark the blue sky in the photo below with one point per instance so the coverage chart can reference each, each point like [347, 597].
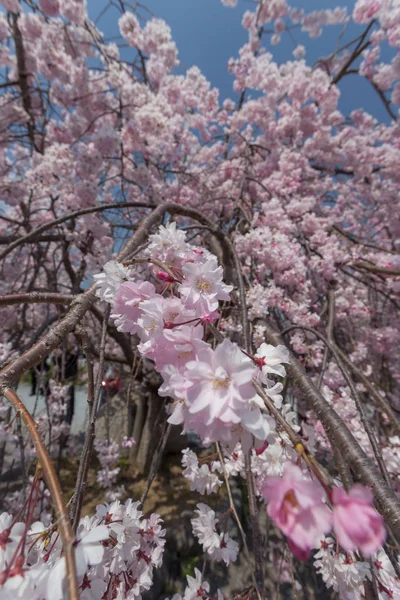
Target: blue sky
[207, 34]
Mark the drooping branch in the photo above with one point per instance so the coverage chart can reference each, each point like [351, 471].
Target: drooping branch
[156, 461]
[32, 235]
[53, 485]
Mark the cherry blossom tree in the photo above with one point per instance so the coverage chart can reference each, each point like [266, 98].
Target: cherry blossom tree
[236, 263]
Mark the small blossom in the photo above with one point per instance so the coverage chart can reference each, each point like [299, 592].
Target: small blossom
[269, 360]
[197, 588]
[108, 282]
[202, 286]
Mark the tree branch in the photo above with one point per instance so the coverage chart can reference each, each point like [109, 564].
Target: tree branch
[53, 485]
[78, 213]
[36, 298]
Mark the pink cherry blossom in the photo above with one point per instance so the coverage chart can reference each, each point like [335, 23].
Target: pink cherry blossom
[50, 7]
[221, 394]
[202, 286]
[295, 503]
[168, 245]
[307, 192]
[130, 28]
[357, 525]
[158, 315]
[109, 281]
[182, 344]
[126, 307]
[12, 5]
[269, 360]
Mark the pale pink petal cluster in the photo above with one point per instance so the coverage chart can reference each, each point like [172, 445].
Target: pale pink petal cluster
[108, 282]
[202, 477]
[220, 400]
[202, 287]
[115, 547]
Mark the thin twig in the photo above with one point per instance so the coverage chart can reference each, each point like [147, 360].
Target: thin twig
[100, 372]
[294, 438]
[237, 519]
[157, 461]
[36, 298]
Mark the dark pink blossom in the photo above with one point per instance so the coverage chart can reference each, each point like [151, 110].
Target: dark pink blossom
[296, 506]
[357, 525]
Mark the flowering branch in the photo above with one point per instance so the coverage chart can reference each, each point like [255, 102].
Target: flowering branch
[360, 408]
[336, 430]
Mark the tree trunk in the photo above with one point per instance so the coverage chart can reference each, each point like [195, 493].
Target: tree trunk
[150, 434]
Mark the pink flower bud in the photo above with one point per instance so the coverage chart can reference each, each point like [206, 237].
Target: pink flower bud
[165, 277]
[211, 317]
[295, 503]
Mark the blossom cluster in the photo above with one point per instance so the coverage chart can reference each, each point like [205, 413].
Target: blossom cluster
[212, 389]
[346, 573]
[203, 478]
[116, 552]
[309, 194]
[219, 546]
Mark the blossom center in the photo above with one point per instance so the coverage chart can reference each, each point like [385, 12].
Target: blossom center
[290, 498]
[221, 379]
[152, 327]
[203, 285]
[185, 354]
